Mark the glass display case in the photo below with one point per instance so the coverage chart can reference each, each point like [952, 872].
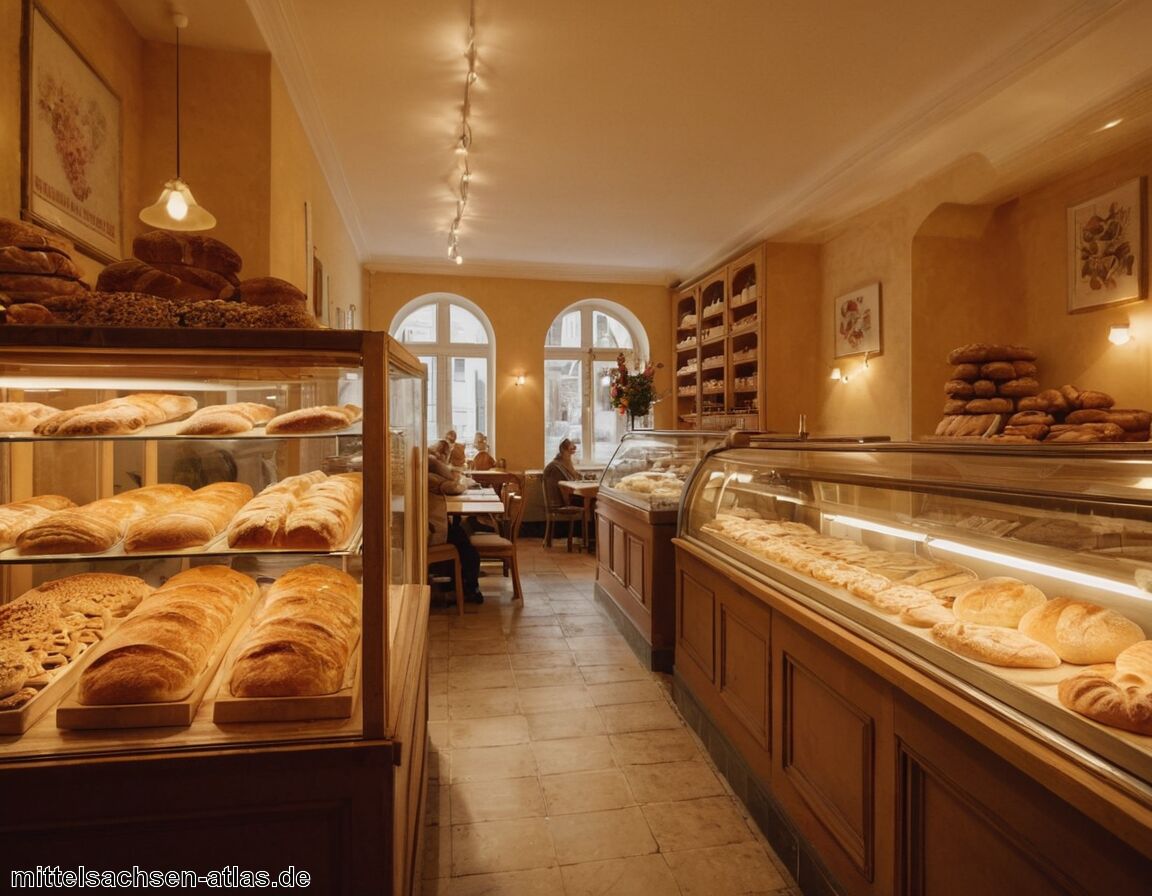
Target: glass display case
[650, 467]
[303, 411]
[950, 558]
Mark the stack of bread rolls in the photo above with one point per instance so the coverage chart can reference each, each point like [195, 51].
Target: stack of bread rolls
[1070, 414]
[302, 638]
[117, 416]
[46, 629]
[34, 264]
[987, 381]
[159, 654]
[190, 522]
[311, 511]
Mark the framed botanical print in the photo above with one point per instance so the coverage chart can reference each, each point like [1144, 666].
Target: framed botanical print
[71, 120]
[856, 322]
[1106, 248]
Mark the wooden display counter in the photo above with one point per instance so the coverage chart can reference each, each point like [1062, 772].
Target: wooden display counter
[871, 777]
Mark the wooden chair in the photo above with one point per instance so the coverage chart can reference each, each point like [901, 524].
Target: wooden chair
[442, 553]
[557, 509]
[503, 548]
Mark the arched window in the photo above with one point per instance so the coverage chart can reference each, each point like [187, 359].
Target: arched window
[579, 351]
[454, 340]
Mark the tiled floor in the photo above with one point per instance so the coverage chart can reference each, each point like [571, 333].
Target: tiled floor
[559, 765]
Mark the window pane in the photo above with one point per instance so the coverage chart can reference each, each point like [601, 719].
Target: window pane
[565, 331]
[419, 326]
[563, 401]
[608, 423]
[609, 332]
[429, 363]
[465, 326]
[469, 398]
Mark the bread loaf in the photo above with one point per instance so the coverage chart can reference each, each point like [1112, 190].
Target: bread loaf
[1000, 600]
[116, 593]
[194, 250]
[136, 276]
[20, 515]
[23, 416]
[1081, 632]
[324, 518]
[117, 416]
[226, 419]
[304, 635]
[206, 284]
[260, 522]
[28, 236]
[192, 522]
[27, 314]
[14, 260]
[159, 654]
[267, 291]
[995, 645]
[1118, 695]
[315, 419]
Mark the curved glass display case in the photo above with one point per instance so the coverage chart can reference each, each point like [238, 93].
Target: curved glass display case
[920, 549]
[650, 467]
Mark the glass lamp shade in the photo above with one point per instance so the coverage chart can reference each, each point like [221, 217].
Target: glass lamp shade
[177, 209]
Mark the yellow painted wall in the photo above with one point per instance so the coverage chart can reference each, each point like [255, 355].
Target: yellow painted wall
[10, 86]
[520, 312]
[791, 334]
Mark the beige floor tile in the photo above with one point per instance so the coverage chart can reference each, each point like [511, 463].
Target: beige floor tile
[634, 876]
[739, 868]
[496, 732]
[640, 717]
[535, 700]
[479, 681]
[565, 723]
[437, 707]
[483, 663]
[438, 735]
[476, 629]
[439, 804]
[437, 647]
[537, 645]
[695, 824]
[595, 836]
[477, 647]
[505, 798]
[573, 754]
[606, 674]
[437, 858]
[530, 616]
[549, 678]
[543, 628]
[666, 781]
[537, 882]
[609, 654]
[521, 661]
[491, 846]
[490, 763]
[592, 791]
[643, 747]
[616, 692]
[588, 626]
[610, 643]
[482, 704]
[437, 664]
[437, 684]
[437, 765]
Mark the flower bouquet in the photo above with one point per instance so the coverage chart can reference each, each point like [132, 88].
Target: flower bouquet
[633, 393]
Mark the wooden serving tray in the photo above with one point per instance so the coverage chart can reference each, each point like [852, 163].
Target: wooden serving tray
[179, 713]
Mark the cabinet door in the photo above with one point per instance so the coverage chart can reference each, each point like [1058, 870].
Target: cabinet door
[745, 663]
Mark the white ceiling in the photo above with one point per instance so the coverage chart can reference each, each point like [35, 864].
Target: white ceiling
[644, 140]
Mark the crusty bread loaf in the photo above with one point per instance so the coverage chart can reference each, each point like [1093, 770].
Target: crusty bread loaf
[14, 260]
[326, 514]
[1000, 600]
[160, 652]
[304, 635]
[226, 419]
[33, 287]
[995, 645]
[315, 419]
[137, 276]
[27, 314]
[1081, 632]
[23, 416]
[267, 291]
[21, 515]
[238, 587]
[117, 416]
[1118, 695]
[260, 522]
[29, 236]
[192, 522]
[207, 284]
[161, 407]
[118, 594]
[194, 250]
[926, 615]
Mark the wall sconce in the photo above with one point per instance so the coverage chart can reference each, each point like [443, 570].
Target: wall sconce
[520, 379]
[838, 374]
[1119, 334]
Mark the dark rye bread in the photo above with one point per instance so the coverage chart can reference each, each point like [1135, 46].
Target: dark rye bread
[128, 309]
[194, 250]
[23, 235]
[14, 260]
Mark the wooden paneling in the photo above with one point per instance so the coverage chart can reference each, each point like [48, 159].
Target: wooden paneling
[745, 664]
[620, 554]
[695, 625]
[637, 580]
[604, 543]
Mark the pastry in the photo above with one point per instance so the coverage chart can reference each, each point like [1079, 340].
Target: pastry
[1115, 694]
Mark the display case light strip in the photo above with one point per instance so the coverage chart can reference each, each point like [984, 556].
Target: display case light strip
[870, 526]
[1044, 569]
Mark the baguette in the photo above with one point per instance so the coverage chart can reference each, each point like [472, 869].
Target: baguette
[117, 416]
[260, 522]
[193, 522]
[315, 419]
[23, 416]
[324, 517]
[226, 419]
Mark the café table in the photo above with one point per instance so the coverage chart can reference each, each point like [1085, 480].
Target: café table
[586, 489]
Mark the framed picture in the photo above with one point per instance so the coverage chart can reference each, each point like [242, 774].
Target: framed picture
[1106, 248]
[856, 322]
[71, 133]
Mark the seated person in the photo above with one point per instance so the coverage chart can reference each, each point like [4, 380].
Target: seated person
[443, 480]
[483, 460]
[560, 468]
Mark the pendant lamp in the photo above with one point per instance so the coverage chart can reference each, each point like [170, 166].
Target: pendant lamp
[177, 209]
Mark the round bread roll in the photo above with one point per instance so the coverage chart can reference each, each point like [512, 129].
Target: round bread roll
[1020, 387]
[1081, 632]
[1090, 398]
[1024, 368]
[990, 406]
[1019, 353]
[1090, 415]
[997, 370]
[958, 389]
[1001, 600]
[967, 372]
[984, 389]
[973, 353]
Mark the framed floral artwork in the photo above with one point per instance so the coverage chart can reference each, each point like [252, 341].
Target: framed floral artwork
[856, 321]
[71, 131]
[1106, 248]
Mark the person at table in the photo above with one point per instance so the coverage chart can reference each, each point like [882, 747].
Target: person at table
[442, 481]
[561, 467]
